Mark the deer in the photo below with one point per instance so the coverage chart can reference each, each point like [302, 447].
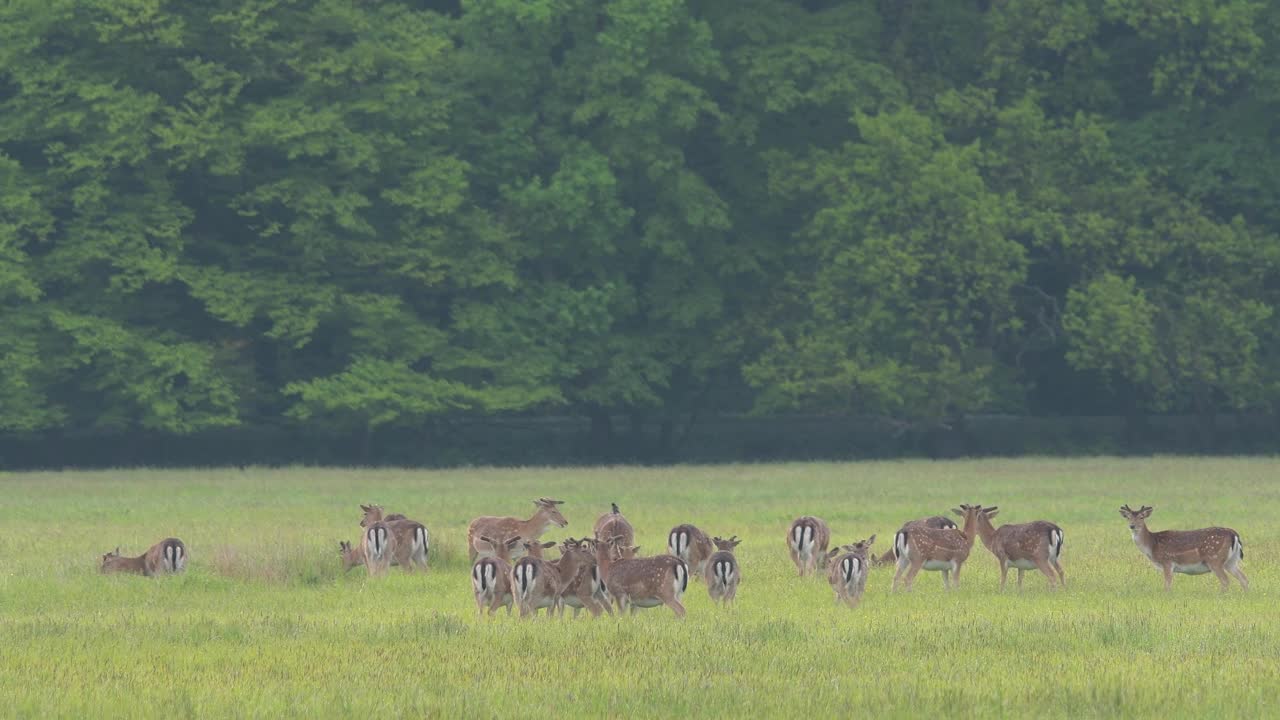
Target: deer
[1026, 546]
[690, 545]
[412, 544]
[587, 589]
[847, 571]
[937, 521]
[936, 549]
[636, 582]
[614, 524]
[546, 515]
[491, 574]
[1190, 552]
[377, 544]
[537, 583]
[723, 571]
[167, 557]
[351, 556]
[807, 540]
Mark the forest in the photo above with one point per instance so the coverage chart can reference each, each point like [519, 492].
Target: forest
[369, 218]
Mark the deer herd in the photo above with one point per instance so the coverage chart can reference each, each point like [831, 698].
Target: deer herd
[604, 572]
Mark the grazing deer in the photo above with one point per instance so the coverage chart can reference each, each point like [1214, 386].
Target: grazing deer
[642, 582]
[169, 556]
[807, 540]
[937, 521]
[1027, 546]
[546, 515]
[613, 524]
[377, 544]
[690, 545]
[848, 573]
[586, 588]
[351, 556]
[1191, 552]
[411, 545]
[538, 583]
[723, 572]
[491, 575]
[936, 549]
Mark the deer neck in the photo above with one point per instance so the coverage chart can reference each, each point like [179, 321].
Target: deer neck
[603, 559]
[534, 527]
[1142, 538]
[986, 531]
[568, 565]
[970, 529]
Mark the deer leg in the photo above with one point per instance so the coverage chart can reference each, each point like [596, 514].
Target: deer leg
[1168, 576]
[1222, 576]
[1062, 577]
[669, 599]
[1020, 573]
[896, 576]
[911, 574]
[1004, 573]
[1239, 575]
[946, 579]
[955, 577]
[1047, 569]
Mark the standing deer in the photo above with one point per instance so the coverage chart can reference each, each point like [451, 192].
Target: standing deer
[723, 572]
[690, 545]
[1191, 552]
[585, 589]
[937, 521]
[537, 583]
[848, 571]
[411, 544]
[936, 549]
[613, 524]
[169, 556]
[491, 574]
[377, 544]
[642, 582]
[546, 515]
[807, 540]
[1027, 546]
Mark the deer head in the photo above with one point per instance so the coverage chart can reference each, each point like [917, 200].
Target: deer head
[1136, 518]
[726, 545]
[548, 506]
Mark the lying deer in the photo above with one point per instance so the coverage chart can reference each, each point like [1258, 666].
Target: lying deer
[491, 574]
[807, 540]
[848, 571]
[614, 524]
[1027, 546]
[937, 521]
[723, 572]
[936, 549]
[691, 545]
[411, 540]
[166, 557]
[642, 582]
[1191, 552]
[546, 515]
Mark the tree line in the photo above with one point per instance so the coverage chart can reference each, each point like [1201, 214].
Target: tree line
[366, 216]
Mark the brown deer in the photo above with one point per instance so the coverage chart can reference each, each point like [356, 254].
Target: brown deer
[642, 582]
[1026, 546]
[546, 515]
[807, 540]
[723, 571]
[690, 545]
[491, 574]
[613, 524]
[937, 521]
[936, 549]
[377, 544]
[586, 589]
[167, 557]
[412, 544]
[537, 583]
[1191, 552]
[848, 571]
[351, 556]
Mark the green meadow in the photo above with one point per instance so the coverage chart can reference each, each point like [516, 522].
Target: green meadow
[264, 624]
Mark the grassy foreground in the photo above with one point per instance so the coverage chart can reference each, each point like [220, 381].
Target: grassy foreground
[263, 624]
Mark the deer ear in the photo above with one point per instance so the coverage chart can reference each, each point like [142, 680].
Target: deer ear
[957, 511]
[364, 507]
[992, 513]
[1145, 512]
[549, 544]
[871, 541]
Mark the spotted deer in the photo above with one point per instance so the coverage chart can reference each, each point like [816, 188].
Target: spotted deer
[847, 572]
[807, 540]
[544, 517]
[614, 524]
[1191, 552]
[723, 571]
[937, 549]
[491, 574]
[1026, 546]
[692, 546]
[937, 521]
[412, 544]
[636, 582]
[167, 557]
[537, 583]
[585, 589]
[377, 544]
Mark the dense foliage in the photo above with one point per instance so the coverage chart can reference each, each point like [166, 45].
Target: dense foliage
[370, 214]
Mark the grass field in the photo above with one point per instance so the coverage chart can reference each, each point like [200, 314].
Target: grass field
[264, 625]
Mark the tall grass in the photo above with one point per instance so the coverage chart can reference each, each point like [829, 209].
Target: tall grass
[265, 624]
